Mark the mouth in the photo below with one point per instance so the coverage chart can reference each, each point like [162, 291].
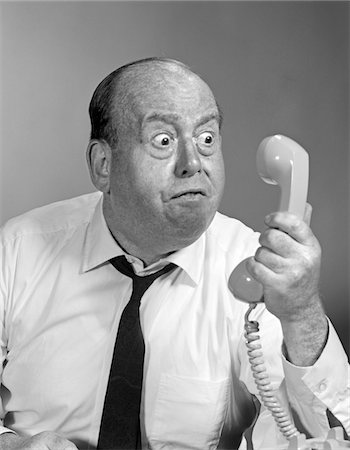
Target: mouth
[190, 194]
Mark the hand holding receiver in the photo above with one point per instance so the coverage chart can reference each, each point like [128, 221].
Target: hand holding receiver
[281, 161]
[288, 265]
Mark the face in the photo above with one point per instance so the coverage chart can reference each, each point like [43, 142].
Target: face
[167, 173]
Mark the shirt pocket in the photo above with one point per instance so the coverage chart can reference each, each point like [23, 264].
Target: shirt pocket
[189, 413]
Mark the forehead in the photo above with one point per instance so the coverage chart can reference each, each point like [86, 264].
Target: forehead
[167, 90]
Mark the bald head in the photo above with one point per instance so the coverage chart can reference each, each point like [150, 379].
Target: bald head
[122, 92]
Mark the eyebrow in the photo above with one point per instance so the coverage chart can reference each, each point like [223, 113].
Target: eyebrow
[170, 118]
[162, 117]
[215, 115]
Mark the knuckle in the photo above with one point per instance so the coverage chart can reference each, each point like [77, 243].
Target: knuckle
[295, 226]
[309, 260]
[277, 265]
[294, 276]
[267, 237]
[312, 258]
[266, 257]
[276, 239]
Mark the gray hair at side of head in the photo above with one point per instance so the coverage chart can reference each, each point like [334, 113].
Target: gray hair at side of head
[104, 122]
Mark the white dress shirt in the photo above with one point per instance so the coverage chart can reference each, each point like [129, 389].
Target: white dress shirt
[60, 305]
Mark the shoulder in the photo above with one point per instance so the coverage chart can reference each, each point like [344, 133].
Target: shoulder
[228, 232]
[53, 218]
[231, 238]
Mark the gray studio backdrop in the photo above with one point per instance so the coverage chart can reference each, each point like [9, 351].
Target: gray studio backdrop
[275, 67]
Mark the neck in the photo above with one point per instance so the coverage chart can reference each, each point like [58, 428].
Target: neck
[128, 247]
[147, 254]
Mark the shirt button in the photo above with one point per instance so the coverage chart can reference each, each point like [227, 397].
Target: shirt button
[322, 386]
[343, 394]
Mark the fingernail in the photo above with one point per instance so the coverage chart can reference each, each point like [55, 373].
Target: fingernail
[268, 219]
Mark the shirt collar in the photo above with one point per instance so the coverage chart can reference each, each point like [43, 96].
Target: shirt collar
[190, 258]
[100, 247]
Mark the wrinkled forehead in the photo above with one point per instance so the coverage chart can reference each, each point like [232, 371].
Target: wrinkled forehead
[165, 87]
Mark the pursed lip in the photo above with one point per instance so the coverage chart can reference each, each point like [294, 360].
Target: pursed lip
[189, 191]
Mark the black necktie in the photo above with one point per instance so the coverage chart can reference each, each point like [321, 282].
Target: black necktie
[120, 424]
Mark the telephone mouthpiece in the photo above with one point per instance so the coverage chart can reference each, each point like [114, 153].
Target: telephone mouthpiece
[243, 286]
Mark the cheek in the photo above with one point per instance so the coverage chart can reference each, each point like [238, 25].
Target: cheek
[220, 172]
[215, 169]
[148, 180]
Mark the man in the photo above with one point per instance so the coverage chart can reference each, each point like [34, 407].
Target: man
[155, 156]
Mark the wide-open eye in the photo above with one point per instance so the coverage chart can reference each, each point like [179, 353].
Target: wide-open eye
[162, 141]
[205, 139]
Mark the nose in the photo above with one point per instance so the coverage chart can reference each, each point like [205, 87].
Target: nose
[188, 160]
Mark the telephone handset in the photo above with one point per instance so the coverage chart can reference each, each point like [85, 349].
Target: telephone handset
[282, 161]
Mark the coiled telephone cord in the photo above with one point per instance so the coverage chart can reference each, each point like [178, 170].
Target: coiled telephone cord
[261, 377]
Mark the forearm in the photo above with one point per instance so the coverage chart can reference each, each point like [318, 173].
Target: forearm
[305, 336]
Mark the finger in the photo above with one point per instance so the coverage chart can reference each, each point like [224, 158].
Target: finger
[307, 214]
[290, 224]
[270, 259]
[260, 272]
[278, 242]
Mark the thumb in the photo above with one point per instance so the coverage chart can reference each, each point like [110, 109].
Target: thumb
[307, 214]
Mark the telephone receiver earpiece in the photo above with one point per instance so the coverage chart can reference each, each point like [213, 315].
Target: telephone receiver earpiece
[281, 161]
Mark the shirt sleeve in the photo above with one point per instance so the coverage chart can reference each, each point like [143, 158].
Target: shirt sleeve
[325, 385]
[5, 276]
[305, 393]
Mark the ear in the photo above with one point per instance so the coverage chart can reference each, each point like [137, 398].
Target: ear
[99, 155]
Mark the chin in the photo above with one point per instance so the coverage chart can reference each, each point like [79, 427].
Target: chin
[189, 228]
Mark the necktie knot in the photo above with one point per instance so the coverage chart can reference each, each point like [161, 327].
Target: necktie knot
[140, 284]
